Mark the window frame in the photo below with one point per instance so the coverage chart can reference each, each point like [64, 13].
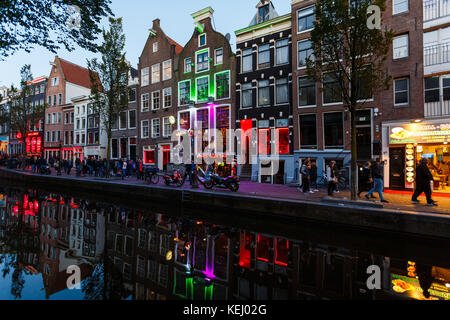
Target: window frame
[196, 88]
[305, 16]
[197, 53]
[142, 129]
[179, 95]
[408, 91]
[407, 46]
[229, 85]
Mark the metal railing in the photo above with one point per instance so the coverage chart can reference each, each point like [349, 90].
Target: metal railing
[435, 9]
[436, 54]
[437, 109]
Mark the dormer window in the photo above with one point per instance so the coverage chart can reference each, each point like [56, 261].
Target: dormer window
[263, 13]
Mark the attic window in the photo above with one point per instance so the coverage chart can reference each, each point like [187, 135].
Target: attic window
[202, 40]
[263, 14]
[155, 47]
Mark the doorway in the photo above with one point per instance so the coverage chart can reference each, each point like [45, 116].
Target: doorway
[397, 168]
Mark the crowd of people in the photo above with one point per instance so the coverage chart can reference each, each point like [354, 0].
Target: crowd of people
[370, 179]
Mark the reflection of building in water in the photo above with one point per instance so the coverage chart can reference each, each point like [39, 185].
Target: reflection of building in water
[120, 251]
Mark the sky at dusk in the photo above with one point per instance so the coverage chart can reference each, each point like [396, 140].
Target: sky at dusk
[138, 16]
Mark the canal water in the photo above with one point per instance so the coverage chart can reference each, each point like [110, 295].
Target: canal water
[119, 250]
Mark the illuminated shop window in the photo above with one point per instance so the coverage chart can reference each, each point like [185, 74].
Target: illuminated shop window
[149, 157]
[185, 120]
[281, 251]
[245, 250]
[264, 141]
[262, 248]
[283, 136]
[222, 124]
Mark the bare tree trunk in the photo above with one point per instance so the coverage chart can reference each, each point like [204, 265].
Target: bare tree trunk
[354, 154]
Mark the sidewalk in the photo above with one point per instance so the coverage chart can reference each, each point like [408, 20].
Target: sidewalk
[396, 201]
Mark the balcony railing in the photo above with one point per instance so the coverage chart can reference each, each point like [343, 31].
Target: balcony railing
[437, 54]
[437, 109]
[435, 9]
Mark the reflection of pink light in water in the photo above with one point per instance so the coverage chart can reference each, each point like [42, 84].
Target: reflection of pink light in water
[209, 274]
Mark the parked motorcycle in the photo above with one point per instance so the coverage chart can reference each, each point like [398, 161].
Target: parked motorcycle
[174, 178]
[45, 169]
[214, 180]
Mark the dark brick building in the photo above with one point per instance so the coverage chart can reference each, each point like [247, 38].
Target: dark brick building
[206, 82]
[158, 96]
[263, 95]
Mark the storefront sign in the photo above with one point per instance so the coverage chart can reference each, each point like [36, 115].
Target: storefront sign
[419, 133]
[410, 287]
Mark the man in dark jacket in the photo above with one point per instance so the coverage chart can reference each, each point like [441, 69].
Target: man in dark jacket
[423, 181]
[377, 174]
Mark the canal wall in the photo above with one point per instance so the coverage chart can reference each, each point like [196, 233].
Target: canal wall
[232, 205]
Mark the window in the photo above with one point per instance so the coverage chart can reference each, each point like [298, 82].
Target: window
[308, 131]
[140, 267]
[202, 61]
[202, 89]
[446, 87]
[306, 92]
[155, 73]
[304, 51]
[142, 239]
[247, 60]
[152, 270]
[202, 40]
[123, 120]
[49, 118]
[145, 102]
[431, 89]
[223, 85]
[144, 129]
[364, 90]
[333, 125]
[400, 6]
[54, 81]
[247, 95]
[263, 93]
[306, 18]
[401, 46]
[155, 47]
[60, 99]
[166, 127]
[331, 89]
[187, 65]
[218, 56]
[167, 96]
[54, 100]
[184, 95]
[155, 128]
[114, 149]
[132, 95]
[282, 51]
[155, 100]
[282, 91]
[264, 56]
[49, 100]
[145, 77]
[167, 70]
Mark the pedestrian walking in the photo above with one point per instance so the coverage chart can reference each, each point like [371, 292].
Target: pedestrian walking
[424, 178]
[124, 169]
[332, 177]
[305, 172]
[377, 175]
[366, 180]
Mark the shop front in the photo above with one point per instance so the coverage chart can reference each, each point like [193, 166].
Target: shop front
[407, 144]
[4, 144]
[33, 144]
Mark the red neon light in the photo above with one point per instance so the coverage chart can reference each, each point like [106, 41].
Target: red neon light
[33, 134]
[19, 135]
[280, 263]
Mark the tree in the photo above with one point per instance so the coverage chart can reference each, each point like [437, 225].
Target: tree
[109, 80]
[349, 52]
[28, 23]
[23, 114]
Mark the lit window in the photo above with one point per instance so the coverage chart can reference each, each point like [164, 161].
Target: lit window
[223, 85]
[184, 92]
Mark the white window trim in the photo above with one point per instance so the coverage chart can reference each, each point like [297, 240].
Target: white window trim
[142, 77]
[242, 60]
[275, 92]
[407, 44]
[178, 93]
[153, 107]
[257, 56]
[170, 74]
[152, 133]
[196, 88]
[242, 96]
[343, 131]
[206, 40]
[257, 93]
[409, 93]
[126, 121]
[215, 56]
[142, 129]
[184, 71]
[163, 133]
[164, 98]
[129, 111]
[323, 99]
[159, 71]
[302, 9]
[275, 53]
[196, 55]
[298, 62]
[393, 8]
[142, 102]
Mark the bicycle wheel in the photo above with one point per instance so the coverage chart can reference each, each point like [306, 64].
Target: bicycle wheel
[155, 178]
